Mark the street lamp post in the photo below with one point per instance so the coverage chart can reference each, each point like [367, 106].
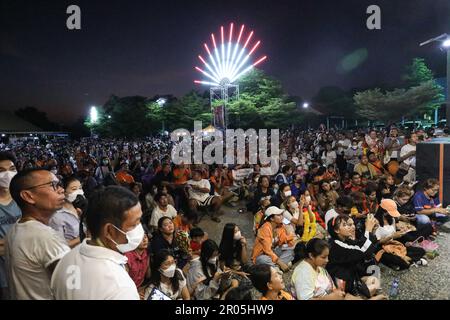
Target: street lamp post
[447, 109]
[305, 105]
[444, 39]
[161, 102]
[93, 117]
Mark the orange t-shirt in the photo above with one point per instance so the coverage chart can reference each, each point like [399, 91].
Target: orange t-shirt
[283, 295]
[124, 177]
[179, 225]
[180, 176]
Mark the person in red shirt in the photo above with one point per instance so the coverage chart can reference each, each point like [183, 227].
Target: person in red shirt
[355, 184]
[138, 265]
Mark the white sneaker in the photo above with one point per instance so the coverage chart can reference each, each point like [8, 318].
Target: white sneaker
[422, 262]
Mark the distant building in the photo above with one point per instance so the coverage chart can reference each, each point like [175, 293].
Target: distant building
[13, 128]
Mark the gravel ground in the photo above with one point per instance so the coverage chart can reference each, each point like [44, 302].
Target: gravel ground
[431, 282]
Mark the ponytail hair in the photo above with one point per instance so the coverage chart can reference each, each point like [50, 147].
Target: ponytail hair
[313, 248]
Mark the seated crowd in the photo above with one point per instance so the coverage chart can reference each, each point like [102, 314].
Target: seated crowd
[104, 219]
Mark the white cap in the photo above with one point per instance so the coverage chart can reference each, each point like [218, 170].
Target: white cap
[270, 211]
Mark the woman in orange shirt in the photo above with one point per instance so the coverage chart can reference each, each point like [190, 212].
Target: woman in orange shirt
[273, 246]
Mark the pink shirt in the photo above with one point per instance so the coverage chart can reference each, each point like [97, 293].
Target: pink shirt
[138, 265]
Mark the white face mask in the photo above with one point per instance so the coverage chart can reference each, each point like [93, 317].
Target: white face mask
[213, 260]
[308, 199]
[288, 193]
[72, 196]
[54, 171]
[293, 205]
[134, 238]
[6, 177]
[237, 236]
[169, 272]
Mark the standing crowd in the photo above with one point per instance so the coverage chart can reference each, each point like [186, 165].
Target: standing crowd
[116, 219]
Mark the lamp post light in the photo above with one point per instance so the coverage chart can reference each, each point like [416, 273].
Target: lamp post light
[444, 40]
[161, 102]
[93, 117]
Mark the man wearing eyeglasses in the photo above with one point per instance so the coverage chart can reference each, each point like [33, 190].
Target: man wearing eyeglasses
[33, 248]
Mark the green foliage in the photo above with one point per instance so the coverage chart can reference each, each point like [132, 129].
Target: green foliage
[417, 72]
[262, 104]
[391, 106]
[183, 112]
[421, 95]
[334, 101]
[123, 117]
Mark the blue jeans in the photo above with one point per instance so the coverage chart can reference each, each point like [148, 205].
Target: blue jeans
[285, 256]
[424, 219]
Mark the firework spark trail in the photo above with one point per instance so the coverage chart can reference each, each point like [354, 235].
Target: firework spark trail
[230, 60]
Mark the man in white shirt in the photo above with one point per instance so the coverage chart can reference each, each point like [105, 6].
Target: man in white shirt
[198, 191]
[393, 144]
[408, 158]
[95, 270]
[162, 209]
[33, 248]
[343, 144]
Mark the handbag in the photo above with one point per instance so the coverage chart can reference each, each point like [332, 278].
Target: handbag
[427, 245]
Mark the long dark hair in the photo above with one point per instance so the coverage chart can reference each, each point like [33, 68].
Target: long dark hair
[208, 248]
[260, 181]
[157, 260]
[321, 189]
[381, 214]
[228, 246]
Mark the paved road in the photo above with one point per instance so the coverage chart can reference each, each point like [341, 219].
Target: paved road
[418, 283]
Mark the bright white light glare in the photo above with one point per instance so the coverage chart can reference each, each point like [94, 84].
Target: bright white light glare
[161, 101]
[305, 105]
[94, 115]
[228, 59]
[3, 135]
[446, 43]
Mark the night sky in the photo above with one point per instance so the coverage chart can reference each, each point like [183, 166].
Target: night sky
[150, 47]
